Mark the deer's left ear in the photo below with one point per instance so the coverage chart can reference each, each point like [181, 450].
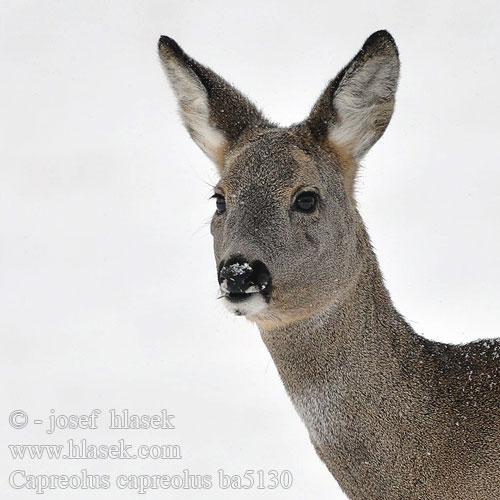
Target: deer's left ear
[213, 111]
[356, 107]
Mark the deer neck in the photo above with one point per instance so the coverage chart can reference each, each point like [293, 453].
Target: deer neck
[348, 370]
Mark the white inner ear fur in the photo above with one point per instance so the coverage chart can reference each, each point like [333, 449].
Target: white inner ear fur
[363, 102]
[195, 111]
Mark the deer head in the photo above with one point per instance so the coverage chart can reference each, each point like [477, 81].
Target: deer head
[288, 239]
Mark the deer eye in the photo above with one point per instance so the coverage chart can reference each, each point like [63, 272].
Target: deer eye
[306, 201]
[220, 203]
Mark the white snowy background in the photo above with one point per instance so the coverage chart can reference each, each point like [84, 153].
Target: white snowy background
[108, 284]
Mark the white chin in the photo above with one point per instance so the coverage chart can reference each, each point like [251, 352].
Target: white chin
[248, 307]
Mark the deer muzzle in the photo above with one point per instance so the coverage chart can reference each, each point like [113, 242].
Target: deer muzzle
[245, 286]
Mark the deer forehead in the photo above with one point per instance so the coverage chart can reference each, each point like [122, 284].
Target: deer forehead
[276, 163]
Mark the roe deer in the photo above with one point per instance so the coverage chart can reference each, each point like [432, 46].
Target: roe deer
[392, 414]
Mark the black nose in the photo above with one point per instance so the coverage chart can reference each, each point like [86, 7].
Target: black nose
[237, 276]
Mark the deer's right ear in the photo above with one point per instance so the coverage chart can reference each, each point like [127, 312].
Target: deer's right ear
[213, 111]
[356, 107]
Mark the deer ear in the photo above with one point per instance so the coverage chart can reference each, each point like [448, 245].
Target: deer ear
[356, 107]
[213, 111]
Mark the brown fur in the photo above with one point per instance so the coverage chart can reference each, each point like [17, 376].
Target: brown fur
[391, 414]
